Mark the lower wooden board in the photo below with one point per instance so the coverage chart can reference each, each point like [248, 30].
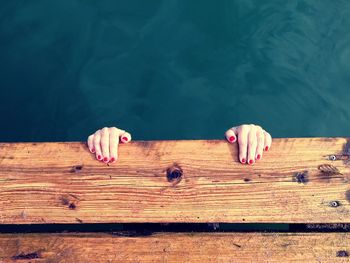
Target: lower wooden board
[175, 247]
[190, 181]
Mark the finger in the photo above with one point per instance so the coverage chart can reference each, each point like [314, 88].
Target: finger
[242, 142]
[90, 143]
[113, 144]
[97, 140]
[231, 135]
[260, 146]
[268, 141]
[105, 144]
[125, 137]
[252, 143]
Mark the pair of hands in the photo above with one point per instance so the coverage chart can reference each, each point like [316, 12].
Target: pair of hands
[252, 140]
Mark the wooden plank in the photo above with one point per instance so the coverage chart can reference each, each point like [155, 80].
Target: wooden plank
[64, 183]
[176, 247]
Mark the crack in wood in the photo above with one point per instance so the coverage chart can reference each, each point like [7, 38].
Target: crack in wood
[33, 255]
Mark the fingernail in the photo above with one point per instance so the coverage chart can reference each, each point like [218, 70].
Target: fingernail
[93, 150]
[125, 139]
[258, 156]
[105, 159]
[266, 148]
[112, 160]
[232, 138]
[250, 161]
[99, 157]
[243, 160]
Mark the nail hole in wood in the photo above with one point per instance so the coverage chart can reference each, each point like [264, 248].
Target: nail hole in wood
[301, 177]
[342, 253]
[334, 203]
[76, 169]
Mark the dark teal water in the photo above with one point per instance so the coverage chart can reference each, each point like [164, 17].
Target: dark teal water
[173, 69]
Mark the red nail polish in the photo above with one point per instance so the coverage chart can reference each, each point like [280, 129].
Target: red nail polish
[258, 157]
[125, 139]
[112, 160]
[232, 138]
[266, 148]
[243, 160]
[105, 159]
[99, 157]
[250, 161]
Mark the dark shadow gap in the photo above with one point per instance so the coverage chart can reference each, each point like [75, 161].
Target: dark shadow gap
[143, 228]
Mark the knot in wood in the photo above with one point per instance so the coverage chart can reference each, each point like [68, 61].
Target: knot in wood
[174, 173]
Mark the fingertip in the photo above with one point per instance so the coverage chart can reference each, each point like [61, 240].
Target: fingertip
[230, 136]
[125, 138]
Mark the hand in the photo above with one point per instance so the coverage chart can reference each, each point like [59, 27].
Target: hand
[104, 143]
[252, 141]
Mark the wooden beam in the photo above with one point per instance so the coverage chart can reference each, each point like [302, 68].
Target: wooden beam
[175, 181]
[176, 247]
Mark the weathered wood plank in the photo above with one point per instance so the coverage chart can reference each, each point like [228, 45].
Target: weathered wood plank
[64, 183]
[176, 247]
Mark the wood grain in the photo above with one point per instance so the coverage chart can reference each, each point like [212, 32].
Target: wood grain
[63, 183]
[176, 247]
